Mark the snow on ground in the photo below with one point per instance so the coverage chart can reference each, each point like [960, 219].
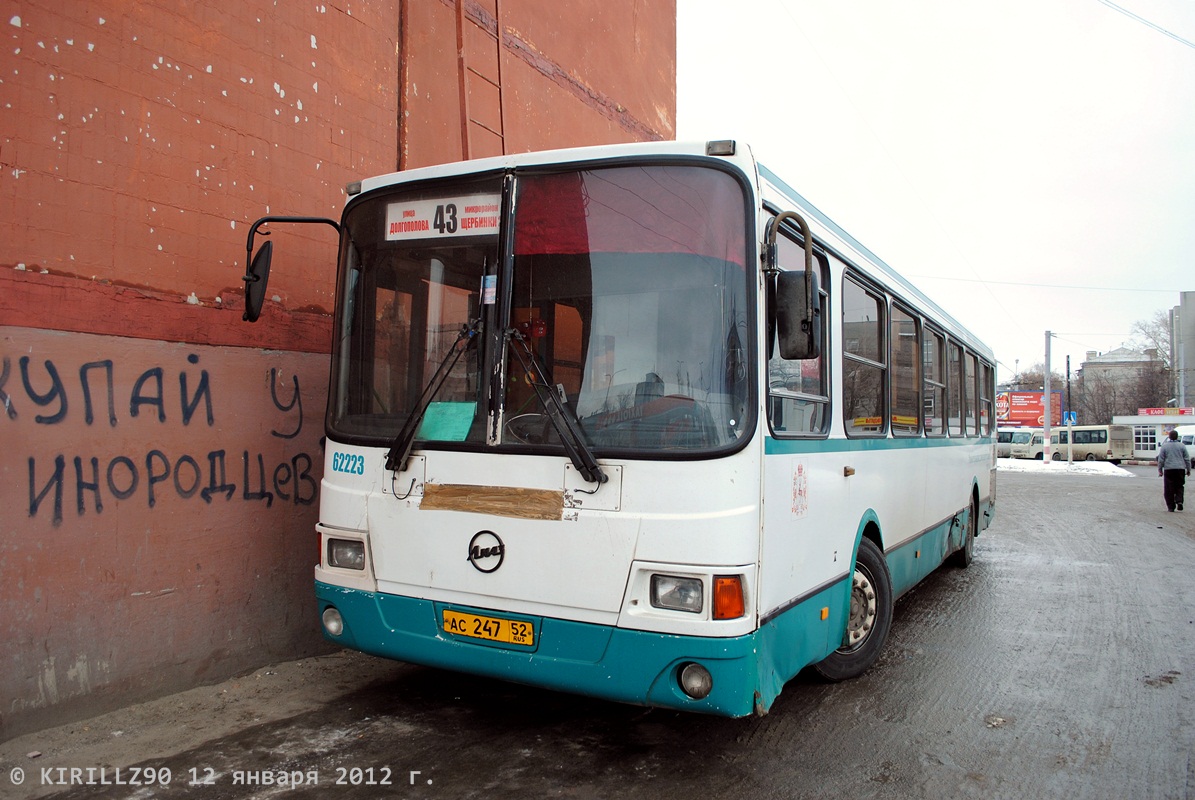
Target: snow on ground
[1062, 468]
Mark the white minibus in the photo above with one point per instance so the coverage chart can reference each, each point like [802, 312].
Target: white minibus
[1112, 443]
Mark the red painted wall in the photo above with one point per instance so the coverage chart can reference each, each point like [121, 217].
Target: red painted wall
[539, 74]
[159, 500]
[141, 140]
[159, 458]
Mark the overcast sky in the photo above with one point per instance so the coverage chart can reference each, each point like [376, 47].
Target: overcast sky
[1030, 165]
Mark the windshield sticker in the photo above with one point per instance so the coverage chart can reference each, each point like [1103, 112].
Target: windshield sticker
[470, 215]
[447, 421]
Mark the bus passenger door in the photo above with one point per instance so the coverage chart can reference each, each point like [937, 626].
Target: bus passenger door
[803, 547]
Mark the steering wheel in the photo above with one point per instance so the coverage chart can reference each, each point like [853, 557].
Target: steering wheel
[533, 428]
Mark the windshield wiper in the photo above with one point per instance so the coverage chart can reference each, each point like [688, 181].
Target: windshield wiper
[564, 420]
[400, 451]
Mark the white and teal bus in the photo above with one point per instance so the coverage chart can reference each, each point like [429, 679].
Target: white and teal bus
[636, 422]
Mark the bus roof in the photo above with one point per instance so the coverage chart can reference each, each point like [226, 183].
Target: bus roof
[574, 155]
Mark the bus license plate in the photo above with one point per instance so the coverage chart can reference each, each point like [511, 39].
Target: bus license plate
[493, 629]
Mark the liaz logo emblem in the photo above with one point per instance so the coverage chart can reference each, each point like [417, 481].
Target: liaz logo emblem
[486, 551]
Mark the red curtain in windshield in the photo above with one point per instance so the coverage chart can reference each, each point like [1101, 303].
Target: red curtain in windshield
[632, 210]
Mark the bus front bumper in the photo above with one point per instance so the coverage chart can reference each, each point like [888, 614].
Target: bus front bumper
[600, 661]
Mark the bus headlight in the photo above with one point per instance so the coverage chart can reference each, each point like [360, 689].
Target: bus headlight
[333, 622]
[346, 553]
[696, 681]
[678, 594]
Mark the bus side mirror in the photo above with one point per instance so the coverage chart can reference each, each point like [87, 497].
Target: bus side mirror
[256, 278]
[798, 324]
[257, 271]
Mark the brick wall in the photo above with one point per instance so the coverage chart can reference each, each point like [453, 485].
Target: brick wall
[161, 458]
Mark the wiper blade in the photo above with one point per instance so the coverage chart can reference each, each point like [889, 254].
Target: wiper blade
[400, 451]
[564, 420]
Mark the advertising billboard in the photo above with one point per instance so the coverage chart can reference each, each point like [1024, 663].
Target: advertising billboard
[1025, 409]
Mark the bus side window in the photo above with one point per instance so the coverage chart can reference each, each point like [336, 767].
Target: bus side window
[798, 390]
[934, 370]
[956, 396]
[864, 360]
[987, 388]
[906, 373]
[972, 398]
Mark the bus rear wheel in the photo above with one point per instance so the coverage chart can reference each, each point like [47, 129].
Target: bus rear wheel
[869, 620]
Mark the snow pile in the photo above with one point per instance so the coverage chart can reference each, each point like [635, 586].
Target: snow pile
[1062, 468]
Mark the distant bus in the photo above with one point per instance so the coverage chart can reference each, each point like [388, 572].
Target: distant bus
[1019, 443]
[1112, 443]
[635, 422]
[1004, 442]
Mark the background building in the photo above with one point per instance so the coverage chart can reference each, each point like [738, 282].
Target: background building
[1151, 426]
[1119, 382]
[161, 459]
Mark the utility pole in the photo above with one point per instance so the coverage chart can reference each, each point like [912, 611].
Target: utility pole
[1046, 455]
[1069, 405]
[1069, 416]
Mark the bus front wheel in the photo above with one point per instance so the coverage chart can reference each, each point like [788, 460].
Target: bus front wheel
[966, 553]
[869, 620]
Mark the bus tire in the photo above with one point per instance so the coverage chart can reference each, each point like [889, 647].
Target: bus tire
[963, 557]
[869, 619]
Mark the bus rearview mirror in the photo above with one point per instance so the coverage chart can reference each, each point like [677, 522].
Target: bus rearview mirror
[257, 270]
[256, 278]
[798, 322]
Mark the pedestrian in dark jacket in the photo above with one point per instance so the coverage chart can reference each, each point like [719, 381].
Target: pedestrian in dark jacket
[1174, 465]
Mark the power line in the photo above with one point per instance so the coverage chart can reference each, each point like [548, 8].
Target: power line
[1147, 23]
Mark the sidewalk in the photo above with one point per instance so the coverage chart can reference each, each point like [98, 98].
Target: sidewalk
[154, 730]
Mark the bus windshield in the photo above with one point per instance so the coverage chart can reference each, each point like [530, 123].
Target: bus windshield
[627, 284]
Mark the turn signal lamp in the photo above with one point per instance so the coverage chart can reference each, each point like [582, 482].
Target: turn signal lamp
[728, 597]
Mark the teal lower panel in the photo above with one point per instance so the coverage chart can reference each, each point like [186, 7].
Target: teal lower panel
[595, 660]
[800, 636]
[912, 561]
